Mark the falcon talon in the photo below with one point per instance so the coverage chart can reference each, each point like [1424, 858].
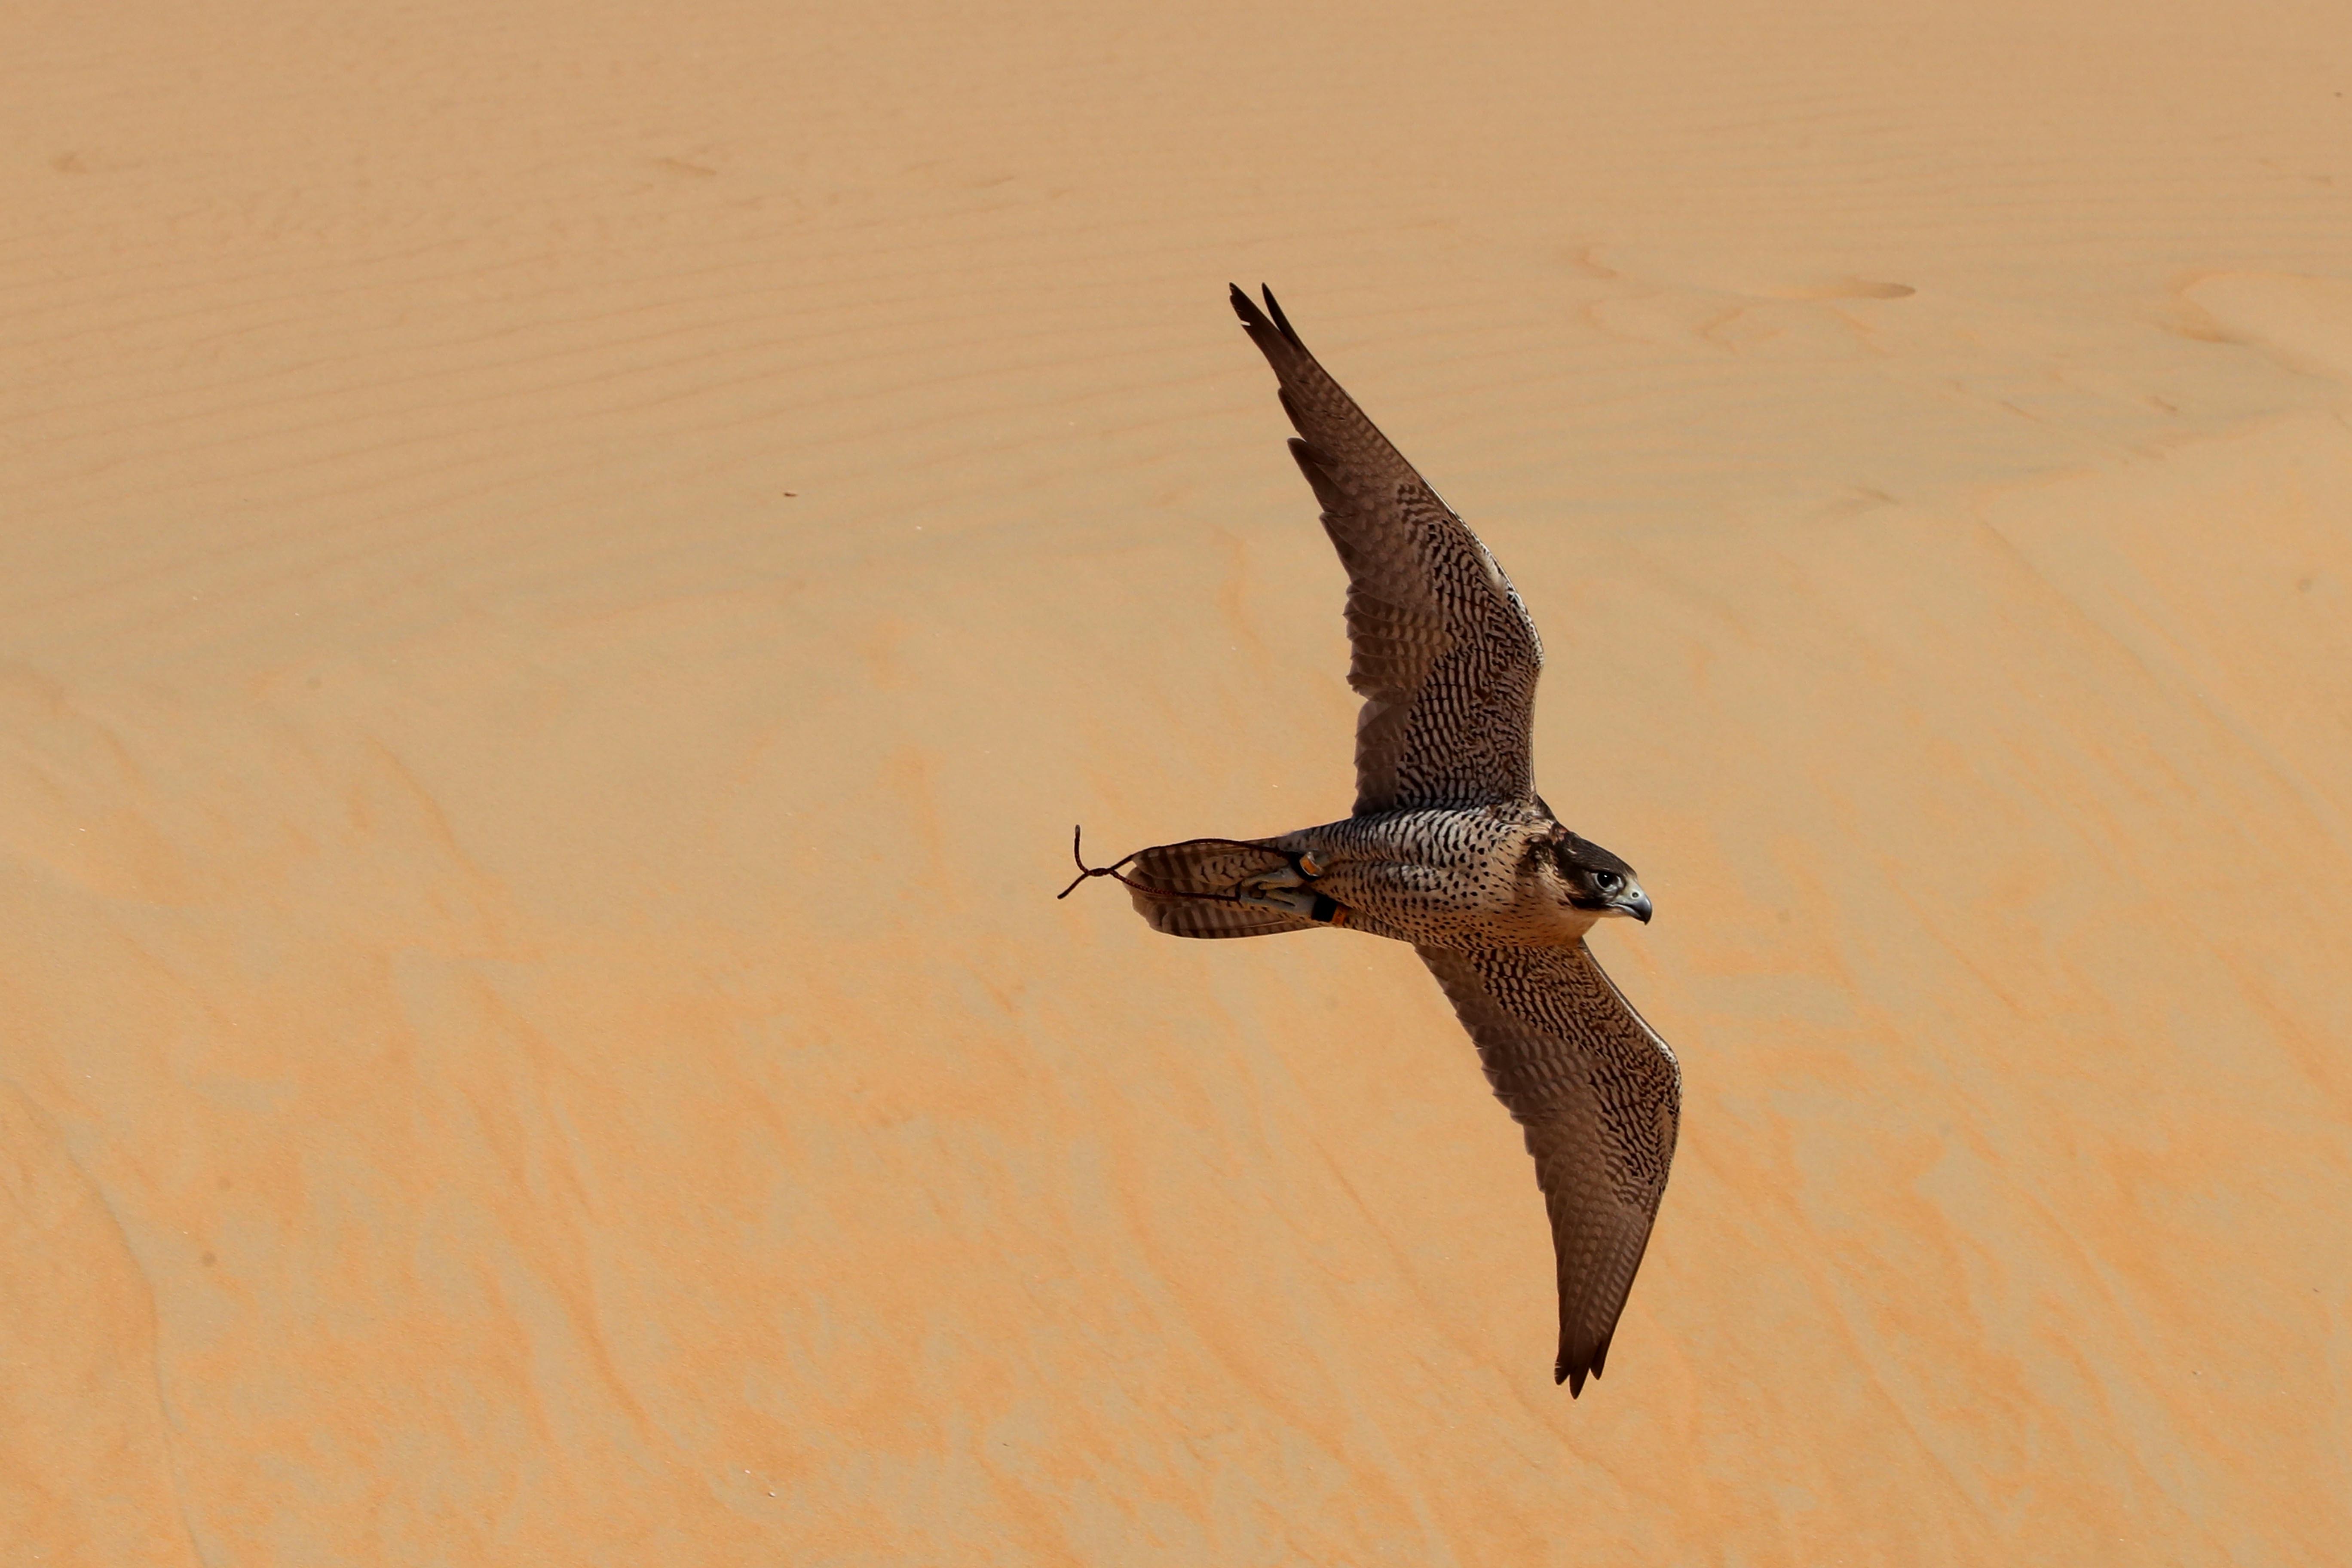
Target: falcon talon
[1450, 848]
[1295, 900]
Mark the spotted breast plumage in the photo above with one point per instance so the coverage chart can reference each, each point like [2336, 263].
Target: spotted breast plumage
[1450, 848]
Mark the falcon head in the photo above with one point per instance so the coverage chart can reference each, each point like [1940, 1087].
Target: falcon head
[1598, 882]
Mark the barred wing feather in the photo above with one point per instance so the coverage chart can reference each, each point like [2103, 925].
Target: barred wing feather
[1599, 1097]
[1444, 655]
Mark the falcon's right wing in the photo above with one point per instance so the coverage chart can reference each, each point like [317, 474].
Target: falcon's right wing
[1599, 1097]
[1444, 655]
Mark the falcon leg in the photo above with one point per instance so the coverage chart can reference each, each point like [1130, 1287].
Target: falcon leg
[1300, 871]
[1291, 889]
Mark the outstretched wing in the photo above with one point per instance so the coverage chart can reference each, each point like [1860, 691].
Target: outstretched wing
[1444, 655]
[1598, 1096]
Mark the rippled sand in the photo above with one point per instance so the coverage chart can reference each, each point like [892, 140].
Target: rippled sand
[567, 568]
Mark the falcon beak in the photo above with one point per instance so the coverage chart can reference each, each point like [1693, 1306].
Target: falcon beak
[1636, 904]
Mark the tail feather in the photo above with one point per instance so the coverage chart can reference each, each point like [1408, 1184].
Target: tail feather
[1187, 889]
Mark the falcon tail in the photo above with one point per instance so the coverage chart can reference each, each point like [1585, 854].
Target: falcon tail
[1195, 888]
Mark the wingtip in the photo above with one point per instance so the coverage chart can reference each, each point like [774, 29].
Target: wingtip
[1274, 309]
[1269, 319]
[1574, 1372]
[1246, 308]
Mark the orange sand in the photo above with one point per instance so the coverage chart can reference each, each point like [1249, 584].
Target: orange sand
[567, 568]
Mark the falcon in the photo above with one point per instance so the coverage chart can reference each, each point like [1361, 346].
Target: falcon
[1450, 848]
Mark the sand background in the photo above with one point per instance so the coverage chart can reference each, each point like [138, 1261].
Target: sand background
[565, 570]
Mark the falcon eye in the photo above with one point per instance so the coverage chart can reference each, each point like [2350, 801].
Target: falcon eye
[1607, 882]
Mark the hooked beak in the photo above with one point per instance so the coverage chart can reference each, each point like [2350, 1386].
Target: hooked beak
[1637, 904]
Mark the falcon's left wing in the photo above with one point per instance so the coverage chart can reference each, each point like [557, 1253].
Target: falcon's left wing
[1599, 1097]
[1444, 653]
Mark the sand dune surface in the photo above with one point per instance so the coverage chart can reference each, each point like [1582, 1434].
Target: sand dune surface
[569, 569]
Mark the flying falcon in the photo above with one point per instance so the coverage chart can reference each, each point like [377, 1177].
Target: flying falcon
[1451, 848]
